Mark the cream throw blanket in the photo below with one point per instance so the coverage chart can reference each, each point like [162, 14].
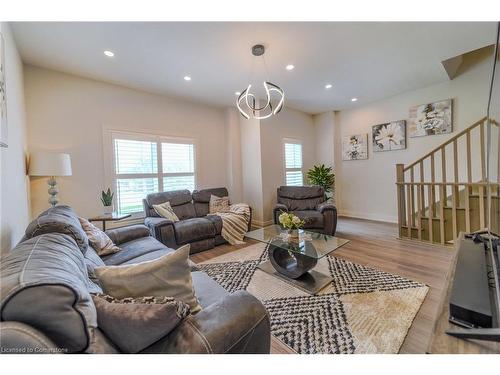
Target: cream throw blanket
[235, 223]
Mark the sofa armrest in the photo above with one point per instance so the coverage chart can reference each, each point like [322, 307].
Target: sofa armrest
[329, 212]
[16, 337]
[162, 229]
[238, 323]
[128, 233]
[278, 208]
[322, 207]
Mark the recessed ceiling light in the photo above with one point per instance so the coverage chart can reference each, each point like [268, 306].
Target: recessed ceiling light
[289, 67]
[328, 86]
[187, 78]
[354, 99]
[237, 93]
[109, 53]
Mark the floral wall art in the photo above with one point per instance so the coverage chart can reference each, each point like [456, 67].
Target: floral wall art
[390, 136]
[355, 147]
[430, 119]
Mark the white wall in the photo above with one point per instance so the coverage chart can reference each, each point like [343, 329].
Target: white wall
[366, 188]
[289, 123]
[233, 148]
[67, 113]
[14, 202]
[324, 129]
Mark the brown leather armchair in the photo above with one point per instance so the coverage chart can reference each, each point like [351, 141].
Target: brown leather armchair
[308, 203]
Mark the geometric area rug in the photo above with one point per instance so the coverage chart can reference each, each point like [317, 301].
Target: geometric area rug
[363, 310]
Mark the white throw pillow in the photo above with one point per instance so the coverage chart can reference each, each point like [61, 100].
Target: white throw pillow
[167, 276]
[99, 240]
[218, 204]
[165, 210]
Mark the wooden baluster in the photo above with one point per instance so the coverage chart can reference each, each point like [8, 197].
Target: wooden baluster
[419, 212]
[400, 179]
[422, 186]
[454, 213]
[408, 210]
[468, 190]
[483, 178]
[442, 195]
[412, 196]
[429, 216]
[455, 171]
[432, 197]
[432, 186]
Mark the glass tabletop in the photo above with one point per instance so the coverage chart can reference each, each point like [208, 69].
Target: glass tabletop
[311, 244]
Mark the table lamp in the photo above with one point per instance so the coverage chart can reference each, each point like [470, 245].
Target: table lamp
[52, 165]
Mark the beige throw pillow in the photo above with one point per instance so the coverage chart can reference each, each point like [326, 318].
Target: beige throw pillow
[168, 276]
[99, 240]
[165, 210]
[218, 204]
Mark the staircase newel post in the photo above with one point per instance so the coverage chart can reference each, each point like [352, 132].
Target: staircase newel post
[400, 179]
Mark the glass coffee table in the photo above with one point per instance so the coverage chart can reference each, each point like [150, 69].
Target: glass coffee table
[292, 259]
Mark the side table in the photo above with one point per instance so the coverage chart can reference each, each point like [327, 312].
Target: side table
[114, 216]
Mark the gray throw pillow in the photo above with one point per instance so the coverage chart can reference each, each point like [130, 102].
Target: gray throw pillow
[133, 324]
[167, 276]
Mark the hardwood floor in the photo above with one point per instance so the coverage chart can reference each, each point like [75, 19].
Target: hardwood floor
[375, 244]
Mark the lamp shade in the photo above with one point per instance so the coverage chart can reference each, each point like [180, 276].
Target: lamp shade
[43, 163]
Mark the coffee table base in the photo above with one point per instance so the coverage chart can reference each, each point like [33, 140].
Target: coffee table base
[311, 282]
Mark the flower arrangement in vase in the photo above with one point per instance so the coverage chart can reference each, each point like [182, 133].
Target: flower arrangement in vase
[292, 223]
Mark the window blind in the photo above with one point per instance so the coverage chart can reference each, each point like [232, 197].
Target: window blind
[144, 166]
[293, 164]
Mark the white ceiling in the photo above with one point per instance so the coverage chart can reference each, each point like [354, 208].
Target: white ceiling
[369, 61]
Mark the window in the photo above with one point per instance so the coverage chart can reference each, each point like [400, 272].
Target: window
[144, 164]
[293, 164]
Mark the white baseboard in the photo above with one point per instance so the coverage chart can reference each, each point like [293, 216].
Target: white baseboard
[368, 216]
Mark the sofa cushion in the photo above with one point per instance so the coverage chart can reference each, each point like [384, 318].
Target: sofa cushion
[207, 289]
[313, 218]
[59, 219]
[135, 323]
[301, 192]
[184, 211]
[44, 284]
[194, 229]
[135, 249]
[175, 197]
[92, 260]
[201, 199]
[168, 276]
[301, 197]
[216, 221]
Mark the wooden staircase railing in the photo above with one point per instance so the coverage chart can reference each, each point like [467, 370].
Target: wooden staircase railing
[433, 203]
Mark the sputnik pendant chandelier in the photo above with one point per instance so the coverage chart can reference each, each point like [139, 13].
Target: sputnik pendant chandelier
[250, 106]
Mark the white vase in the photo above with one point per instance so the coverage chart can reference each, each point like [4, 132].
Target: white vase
[108, 210]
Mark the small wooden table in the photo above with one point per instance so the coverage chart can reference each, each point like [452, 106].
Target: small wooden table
[109, 217]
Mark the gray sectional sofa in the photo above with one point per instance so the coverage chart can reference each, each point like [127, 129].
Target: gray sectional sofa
[46, 306]
[194, 226]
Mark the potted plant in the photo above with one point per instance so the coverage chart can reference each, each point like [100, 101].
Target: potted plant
[107, 200]
[292, 223]
[322, 176]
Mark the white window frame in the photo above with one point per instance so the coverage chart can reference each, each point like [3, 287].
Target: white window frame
[285, 169]
[111, 177]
